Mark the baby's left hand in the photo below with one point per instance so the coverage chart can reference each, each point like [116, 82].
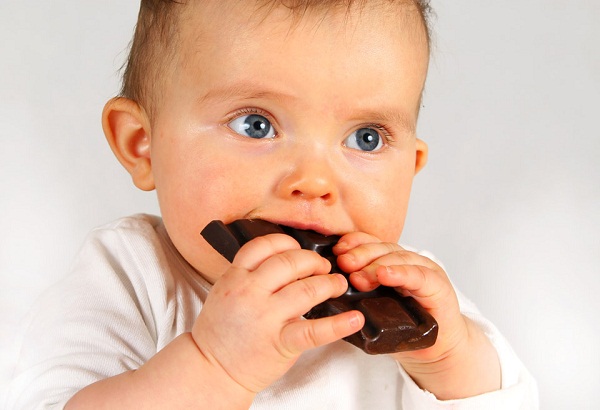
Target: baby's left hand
[461, 347]
[373, 263]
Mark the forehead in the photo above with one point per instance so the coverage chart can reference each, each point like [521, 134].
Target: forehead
[235, 19]
[231, 43]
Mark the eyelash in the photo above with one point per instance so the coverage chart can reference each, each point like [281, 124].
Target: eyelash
[385, 133]
[249, 111]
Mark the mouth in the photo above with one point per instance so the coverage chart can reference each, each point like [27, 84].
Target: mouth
[227, 238]
[317, 227]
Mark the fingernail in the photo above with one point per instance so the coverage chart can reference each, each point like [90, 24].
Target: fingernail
[360, 274]
[342, 279]
[390, 271]
[348, 257]
[341, 246]
[354, 321]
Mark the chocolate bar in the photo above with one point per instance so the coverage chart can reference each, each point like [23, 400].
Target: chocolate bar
[393, 323]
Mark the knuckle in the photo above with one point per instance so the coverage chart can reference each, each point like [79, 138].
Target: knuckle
[392, 247]
[310, 336]
[308, 289]
[425, 280]
[423, 272]
[288, 261]
[403, 255]
[285, 347]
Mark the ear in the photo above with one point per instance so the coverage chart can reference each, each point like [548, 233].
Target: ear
[422, 152]
[127, 130]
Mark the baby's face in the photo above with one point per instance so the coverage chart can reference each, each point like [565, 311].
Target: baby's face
[307, 123]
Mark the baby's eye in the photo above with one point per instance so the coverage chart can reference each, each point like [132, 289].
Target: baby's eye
[253, 126]
[364, 139]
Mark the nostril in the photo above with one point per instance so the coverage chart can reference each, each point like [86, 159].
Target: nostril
[300, 194]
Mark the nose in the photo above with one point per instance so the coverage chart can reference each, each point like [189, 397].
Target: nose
[309, 180]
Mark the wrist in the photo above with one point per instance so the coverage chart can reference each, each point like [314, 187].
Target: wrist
[178, 376]
[470, 368]
[221, 383]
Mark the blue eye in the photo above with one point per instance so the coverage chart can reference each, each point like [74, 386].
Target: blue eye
[253, 126]
[364, 139]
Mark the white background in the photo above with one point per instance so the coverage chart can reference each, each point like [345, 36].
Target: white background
[510, 200]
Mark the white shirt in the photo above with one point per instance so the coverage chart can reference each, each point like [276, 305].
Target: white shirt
[130, 293]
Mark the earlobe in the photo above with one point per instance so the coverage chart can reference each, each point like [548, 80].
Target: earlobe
[127, 130]
[422, 152]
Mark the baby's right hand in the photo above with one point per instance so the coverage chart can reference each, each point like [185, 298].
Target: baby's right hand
[251, 324]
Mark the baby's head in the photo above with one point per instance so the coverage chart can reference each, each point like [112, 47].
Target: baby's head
[298, 112]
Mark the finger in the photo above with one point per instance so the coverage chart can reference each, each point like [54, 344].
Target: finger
[303, 295]
[352, 240]
[366, 278]
[255, 252]
[284, 268]
[424, 284]
[364, 254]
[302, 335]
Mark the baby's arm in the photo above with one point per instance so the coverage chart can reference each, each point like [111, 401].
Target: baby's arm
[248, 334]
[176, 377]
[463, 362]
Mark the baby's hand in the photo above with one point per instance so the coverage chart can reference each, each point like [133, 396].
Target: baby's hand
[373, 263]
[461, 349]
[251, 324]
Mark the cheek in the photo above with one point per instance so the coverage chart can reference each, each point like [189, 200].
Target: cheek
[384, 203]
[194, 190]
[193, 196]
[193, 179]
[191, 193]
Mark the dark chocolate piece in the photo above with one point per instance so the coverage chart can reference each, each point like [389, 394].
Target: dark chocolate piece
[394, 323]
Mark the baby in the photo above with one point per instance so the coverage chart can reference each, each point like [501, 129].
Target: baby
[301, 113]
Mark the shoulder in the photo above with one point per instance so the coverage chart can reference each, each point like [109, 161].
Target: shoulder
[135, 226]
[117, 281]
[126, 239]
[118, 259]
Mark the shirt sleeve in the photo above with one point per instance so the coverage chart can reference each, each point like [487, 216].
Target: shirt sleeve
[519, 389]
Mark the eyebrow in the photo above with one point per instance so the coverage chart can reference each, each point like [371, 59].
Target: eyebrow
[243, 91]
[247, 91]
[390, 116]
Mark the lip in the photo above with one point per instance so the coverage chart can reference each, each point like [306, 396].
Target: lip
[308, 226]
